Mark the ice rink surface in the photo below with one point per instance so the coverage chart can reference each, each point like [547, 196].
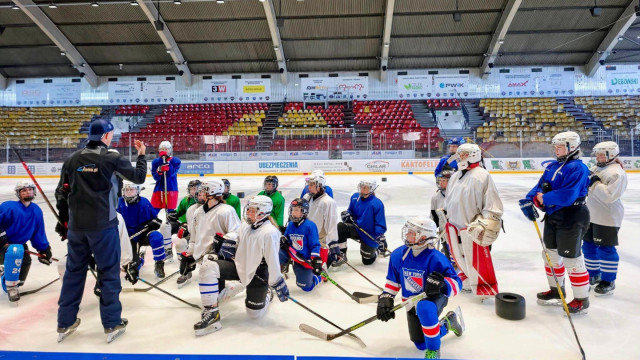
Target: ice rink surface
[159, 324]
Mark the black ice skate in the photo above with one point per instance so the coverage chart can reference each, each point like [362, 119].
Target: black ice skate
[593, 281]
[169, 253]
[432, 354]
[550, 297]
[14, 294]
[578, 306]
[159, 269]
[454, 321]
[184, 280]
[64, 332]
[605, 288]
[210, 321]
[341, 261]
[114, 332]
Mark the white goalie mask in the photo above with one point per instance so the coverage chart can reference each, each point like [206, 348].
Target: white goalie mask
[607, 148]
[420, 231]
[468, 154]
[262, 206]
[166, 146]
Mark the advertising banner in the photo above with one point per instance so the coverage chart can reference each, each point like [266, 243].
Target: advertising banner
[557, 84]
[352, 87]
[252, 90]
[217, 90]
[415, 86]
[31, 94]
[450, 85]
[159, 92]
[125, 92]
[623, 82]
[65, 93]
[517, 85]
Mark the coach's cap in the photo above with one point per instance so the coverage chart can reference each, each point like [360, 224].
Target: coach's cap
[99, 128]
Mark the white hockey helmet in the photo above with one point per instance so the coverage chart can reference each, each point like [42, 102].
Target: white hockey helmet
[213, 187]
[131, 192]
[569, 139]
[166, 146]
[609, 149]
[371, 183]
[318, 179]
[25, 184]
[473, 152]
[424, 229]
[317, 172]
[263, 205]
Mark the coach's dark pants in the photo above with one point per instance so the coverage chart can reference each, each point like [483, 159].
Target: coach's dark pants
[105, 247]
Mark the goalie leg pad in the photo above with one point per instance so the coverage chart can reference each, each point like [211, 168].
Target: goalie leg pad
[479, 267]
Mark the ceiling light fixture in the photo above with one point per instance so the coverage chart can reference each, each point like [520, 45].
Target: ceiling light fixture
[177, 2]
[95, 4]
[53, 5]
[15, 7]
[133, 3]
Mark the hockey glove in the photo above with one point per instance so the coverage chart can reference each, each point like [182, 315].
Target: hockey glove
[528, 210]
[163, 154]
[281, 289]
[346, 217]
[593, 179]
[435, 285]
[228, 249]
[335, 255]
[183, 232]
[163, 169]
[382, 244]
[61, 229]
[218, 239]
[131, 270]
[172, 216]
[385, 307]
[149, 226]
[316, 262]
[45, 256]
[4, 240]
[187, 264]
[284, 243]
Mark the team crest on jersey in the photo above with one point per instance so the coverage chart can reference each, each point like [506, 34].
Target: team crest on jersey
[297, 241]
[413, 280]
[18, 262]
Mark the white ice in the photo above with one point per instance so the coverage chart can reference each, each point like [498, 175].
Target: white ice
[160, 324]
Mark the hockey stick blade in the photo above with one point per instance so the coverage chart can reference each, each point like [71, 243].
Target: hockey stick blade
[29, 292]
[314, 332]
[364, 298]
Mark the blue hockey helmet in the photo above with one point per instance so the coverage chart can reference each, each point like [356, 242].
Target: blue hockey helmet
[457, 141]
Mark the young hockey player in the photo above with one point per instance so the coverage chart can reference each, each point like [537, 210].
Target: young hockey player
[561, 192]
[179, 216]
[365, 214]
[444, 161]
[164, 170]
[607, 184]
[270, 189]
[231, 199]
[139, 215]
[213, 217]
[324, 213]
[21, 221]
[300, 244]
[250, 256]
[415, 268]
[474, 209]
[183, 237]
[437, 200]
[327, 188]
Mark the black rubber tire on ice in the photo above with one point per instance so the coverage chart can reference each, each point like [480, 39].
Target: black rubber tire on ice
[384, 179]
[510, 306]
[241, 194]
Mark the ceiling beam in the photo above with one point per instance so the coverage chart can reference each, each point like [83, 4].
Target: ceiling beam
[3, 82]
[386, 39]
[508, 14]
[53, 32]
[270, 13]
[169, 42]
[621, 26]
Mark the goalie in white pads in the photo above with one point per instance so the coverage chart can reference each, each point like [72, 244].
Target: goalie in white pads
[474, 209]
[250, 256]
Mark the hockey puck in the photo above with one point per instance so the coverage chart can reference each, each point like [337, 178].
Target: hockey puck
[241, 194]
[384, 179]
[510, 306]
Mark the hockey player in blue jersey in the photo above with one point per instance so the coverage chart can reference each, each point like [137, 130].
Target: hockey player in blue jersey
[561, 193]
[365, 212]
[139, 215]
[300, 243]
[415, 268]
[444, 161]
[20, 221]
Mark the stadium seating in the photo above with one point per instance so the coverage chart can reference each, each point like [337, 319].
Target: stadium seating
[31, 127]
[612, 112]
[132, 110]
[310, 121]
[443, 104]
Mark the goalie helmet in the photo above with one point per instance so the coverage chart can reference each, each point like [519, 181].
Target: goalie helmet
[371, 183]
[262, 205]
[607, 148]
[444, 175]
[193, 184]
[570, 140]
[304, 209]
[270, 179]
[422, 230]
[474, 155]
[131, 192]
[166, 146]
[213, 187]
[25, 184]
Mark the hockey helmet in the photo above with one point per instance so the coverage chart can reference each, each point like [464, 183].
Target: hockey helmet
[419, 231]
[273, 180]
[25, 184]
[166, 146]
[304, 210]
[131, 192]
[262, 205]
[193, 185]
[607, 148]
[471, 153]
[372, 184]
[444, 175]
[569, 139]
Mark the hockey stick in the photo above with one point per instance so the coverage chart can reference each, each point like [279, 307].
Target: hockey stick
[38, 255]
[366, 278]
[170, 294]
[386, 253]
[328, 337]
[564, 302]
[149, 288]
[360, 298]
[353, 336]
[29, 292]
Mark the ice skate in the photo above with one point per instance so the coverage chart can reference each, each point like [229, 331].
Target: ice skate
[159, 269]
[578, 306]
[184, 280]
[169, 255]
[454, 321]
[231, 289]
[605, 288]
[210, 321]
[115, 332]
[64, 332]
[14, 294]
[594, 281]
[550, 297]
[432, 354]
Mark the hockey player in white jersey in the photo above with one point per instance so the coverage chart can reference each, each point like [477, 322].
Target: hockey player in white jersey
[250, 256]
[324, 213]
[183, 236]
[474, 211]
[607, 183]
[213, 217]
[437, 200]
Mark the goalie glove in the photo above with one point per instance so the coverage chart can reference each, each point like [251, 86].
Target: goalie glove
[484, 231]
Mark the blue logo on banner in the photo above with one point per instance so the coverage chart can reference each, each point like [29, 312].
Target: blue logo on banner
[199, 167]
[278, 165]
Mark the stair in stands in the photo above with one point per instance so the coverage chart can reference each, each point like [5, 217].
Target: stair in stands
[271, 121]
[475, 116]
[422, 114]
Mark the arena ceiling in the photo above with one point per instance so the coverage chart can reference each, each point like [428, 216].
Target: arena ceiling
[233, 36]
